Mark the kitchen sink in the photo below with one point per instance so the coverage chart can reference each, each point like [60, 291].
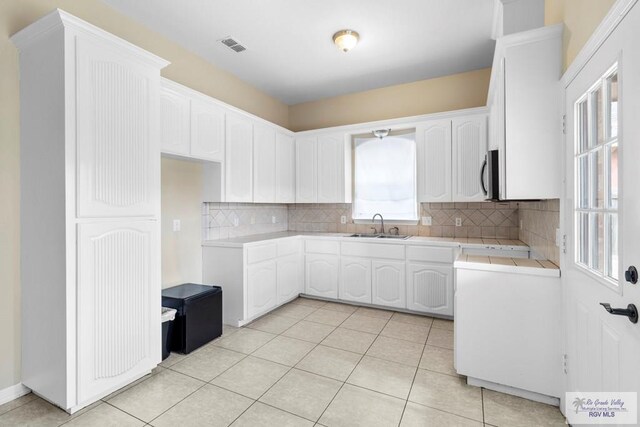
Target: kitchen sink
[365, 235]
[380, 236]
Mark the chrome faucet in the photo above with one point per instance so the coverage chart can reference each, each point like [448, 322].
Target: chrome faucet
[373, 220]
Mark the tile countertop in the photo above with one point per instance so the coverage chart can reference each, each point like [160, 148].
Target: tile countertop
[535, 267]
[515, 245]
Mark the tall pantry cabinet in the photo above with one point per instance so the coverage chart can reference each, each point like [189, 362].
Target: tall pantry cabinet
[90, 208]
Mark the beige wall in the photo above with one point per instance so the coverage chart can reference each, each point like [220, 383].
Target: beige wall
[581, 18]
[447, 93]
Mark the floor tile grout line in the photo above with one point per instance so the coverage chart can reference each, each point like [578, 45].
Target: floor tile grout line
[415, 374]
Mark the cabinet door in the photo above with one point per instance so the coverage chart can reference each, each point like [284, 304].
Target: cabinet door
[175, 126]
[306, 170]
[321, 275]
[118, 315]
[469, 150]
[239, 164]
[434, 161]
[118, 149]
[388, 284]
[207, 131]
[264, 165]
[331, 169]
[355, 280]
[261, 288]
[289, 277]
[430, 288]
[285, 169]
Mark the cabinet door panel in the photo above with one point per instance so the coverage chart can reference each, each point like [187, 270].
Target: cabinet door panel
[285, 169]
[321, 275]
[331, 169]
[430, 288]
[388, 284]
[469, 150]
[355, 280]
[207, 131]
[264, 165]
[118, 296]
[175, 115]
[239, 165]
[306, 170]
[289, 277]
[118, 157]
[434, 161]
[261, 288]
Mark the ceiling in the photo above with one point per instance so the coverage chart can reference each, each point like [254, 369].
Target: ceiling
[290, 54]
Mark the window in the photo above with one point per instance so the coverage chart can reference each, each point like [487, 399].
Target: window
[596, 178]
[385, 177]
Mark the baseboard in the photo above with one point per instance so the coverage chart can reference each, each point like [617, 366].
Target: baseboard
[537, 397]
[11, 393]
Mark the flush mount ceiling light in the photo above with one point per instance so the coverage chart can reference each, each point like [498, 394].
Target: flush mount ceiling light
[346, 39]
[381, 133]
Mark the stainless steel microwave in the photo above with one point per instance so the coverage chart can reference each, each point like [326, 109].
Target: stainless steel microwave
[490, 176]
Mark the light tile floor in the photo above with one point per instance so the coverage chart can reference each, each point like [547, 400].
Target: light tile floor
[307, 363]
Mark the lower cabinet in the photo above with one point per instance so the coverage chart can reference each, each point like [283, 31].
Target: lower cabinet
[430, 288]
[388, 284]
[355, 280]
[322, 275]
[261, 288]
[289, 277]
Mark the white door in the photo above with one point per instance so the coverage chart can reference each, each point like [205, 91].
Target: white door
[469, 140]
[430, 288]
[388, 284]
[331, 169]
[306, 170]
[289, 277]
[175, 125]
[433, 150]
[355, 280]
[321, 275]
[118, 304]
[262, 294]
[239, 155]
[207, 131]
[285, 169]
[264, 165]
[118, 152]
[601, 210]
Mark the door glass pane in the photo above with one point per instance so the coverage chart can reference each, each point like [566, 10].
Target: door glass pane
[582, 177]
[612, 82]
[596, 232]
[597, 178]
[612, 234]
[582, 250]
[598, 116]
[613, 176]
[583, 127]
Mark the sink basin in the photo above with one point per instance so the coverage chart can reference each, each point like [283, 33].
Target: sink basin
[365, 235]
[393, 236]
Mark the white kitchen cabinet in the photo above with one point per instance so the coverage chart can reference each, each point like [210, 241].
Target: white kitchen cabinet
[239, 159]
[90, 154]
[264, 164]
[355, 280]
[207, 130]
[285, 168]
[430, 288]
[433, 150]
[262, 293]
[175, 120]
[331, 177]
[289, 274]
[469, 140]
[306, 170]
[388, 283]
[322, 273]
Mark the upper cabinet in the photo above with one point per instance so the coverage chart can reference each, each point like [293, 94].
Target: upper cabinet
[526, 113]
[264, 164]
[239, 159]
[469, 140]
[285, 168]
[207, 131]
[321, 175]
[175, 126]
[306, 169]
[433, 140]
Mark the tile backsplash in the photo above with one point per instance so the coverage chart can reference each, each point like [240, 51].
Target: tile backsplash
[226, 220]
[539, 223]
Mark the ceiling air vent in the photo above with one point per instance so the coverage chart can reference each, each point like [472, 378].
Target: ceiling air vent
[233, 45]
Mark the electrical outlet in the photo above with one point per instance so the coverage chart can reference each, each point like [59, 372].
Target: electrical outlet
[236, 221]
[273, 220]
[426, 220]
[343, 219]
[176, 225]
[458, 222]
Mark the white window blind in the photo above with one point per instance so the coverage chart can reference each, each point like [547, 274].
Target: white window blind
[385, 178]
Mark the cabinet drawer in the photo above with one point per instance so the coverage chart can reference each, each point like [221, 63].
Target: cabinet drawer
[322, 246]
[373, 250]
[288, 247]
[261, 253]
[430, 254]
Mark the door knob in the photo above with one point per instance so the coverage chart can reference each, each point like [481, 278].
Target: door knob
[631, 275]
[631, 311]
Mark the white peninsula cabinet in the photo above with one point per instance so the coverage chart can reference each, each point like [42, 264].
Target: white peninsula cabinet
[90, 154]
